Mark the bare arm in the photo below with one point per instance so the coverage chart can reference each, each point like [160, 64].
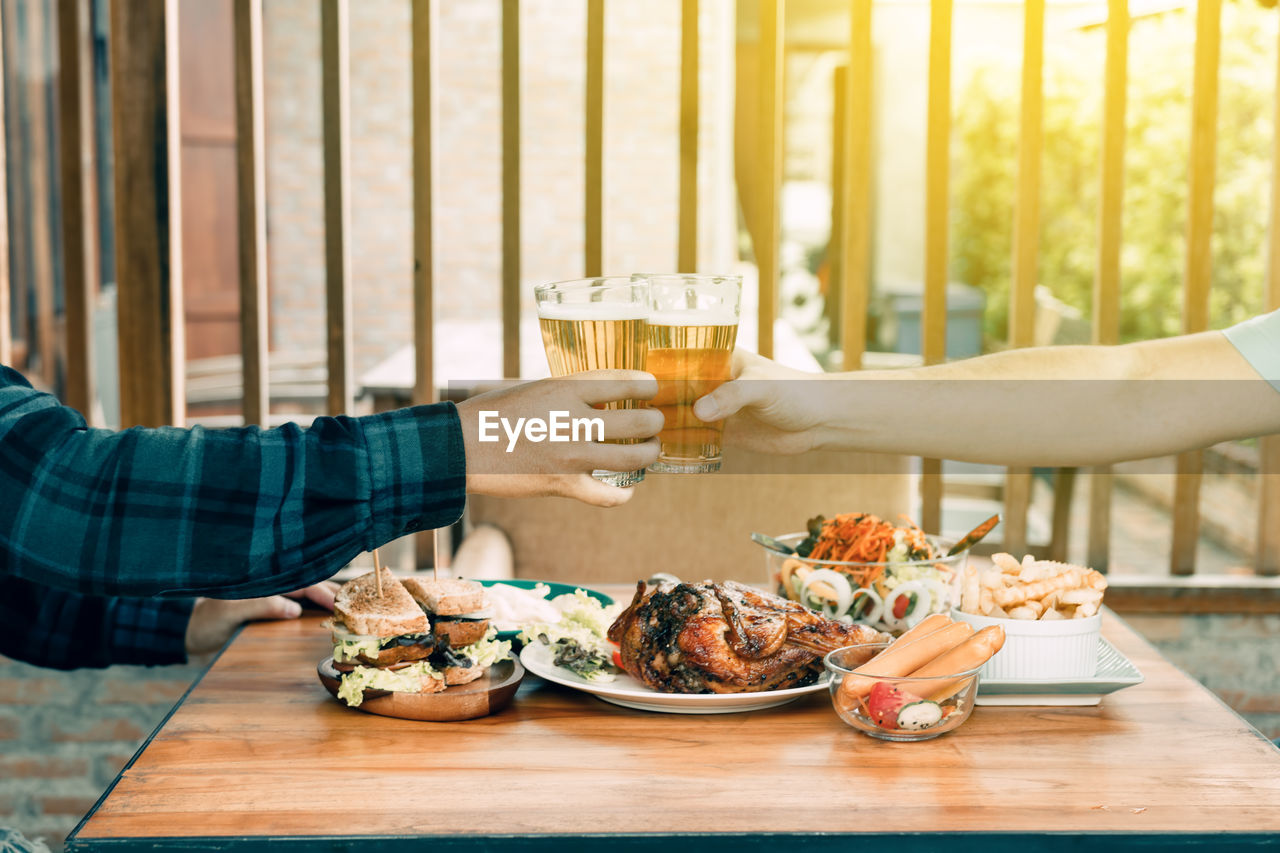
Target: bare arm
[1044, 406]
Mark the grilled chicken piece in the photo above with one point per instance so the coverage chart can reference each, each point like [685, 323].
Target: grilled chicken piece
[725, 638]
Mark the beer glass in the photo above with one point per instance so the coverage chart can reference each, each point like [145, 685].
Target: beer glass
[693, 323]
[596, 324]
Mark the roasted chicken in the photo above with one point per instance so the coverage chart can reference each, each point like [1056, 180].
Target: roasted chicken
[725, 638]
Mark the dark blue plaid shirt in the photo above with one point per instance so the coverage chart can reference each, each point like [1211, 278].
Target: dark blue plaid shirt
[89, 515]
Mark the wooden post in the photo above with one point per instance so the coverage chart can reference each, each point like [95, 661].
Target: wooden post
[770, 91]
[39, 127]
[1267, 561]
[511, 188]
[855, 218]
[425, 390]
[833, 308]
[933, 318]
[1026, 247]
[593, 207]
[15, 150]
[1199, 269]
[1026, 220]
[79, 197]
[148, 210]
[335, 60]
[6, 295]
[424, 26]
[1064, 486]
[1106, 283]
[687, 246]
[251, 184]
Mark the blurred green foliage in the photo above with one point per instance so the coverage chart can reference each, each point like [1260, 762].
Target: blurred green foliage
[1161, 56]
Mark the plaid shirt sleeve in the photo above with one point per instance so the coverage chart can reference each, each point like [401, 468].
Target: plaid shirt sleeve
[67, 630]
[234, 513]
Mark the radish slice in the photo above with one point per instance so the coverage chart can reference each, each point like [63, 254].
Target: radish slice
[941, 590]
[835, 580]
[874, 610]
[923, 601]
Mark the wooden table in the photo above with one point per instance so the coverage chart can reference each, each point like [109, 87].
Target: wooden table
[258, 756]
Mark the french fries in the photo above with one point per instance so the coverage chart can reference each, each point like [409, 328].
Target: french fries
[1031, 589]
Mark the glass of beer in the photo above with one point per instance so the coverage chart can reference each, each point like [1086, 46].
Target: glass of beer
[693, 324]
[597, 324]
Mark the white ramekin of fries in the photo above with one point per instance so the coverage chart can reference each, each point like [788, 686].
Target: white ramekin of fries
[1049, 612]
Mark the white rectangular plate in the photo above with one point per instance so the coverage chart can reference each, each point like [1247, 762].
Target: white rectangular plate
[1114, 672]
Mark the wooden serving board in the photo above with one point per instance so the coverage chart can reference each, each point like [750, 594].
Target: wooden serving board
[488, 694]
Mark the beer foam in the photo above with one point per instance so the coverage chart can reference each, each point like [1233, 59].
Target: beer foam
[693, 317]
[592, 311]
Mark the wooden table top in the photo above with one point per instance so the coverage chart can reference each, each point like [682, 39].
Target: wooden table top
[258, 750]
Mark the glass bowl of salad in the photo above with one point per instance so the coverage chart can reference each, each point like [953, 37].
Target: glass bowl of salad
[860, 568]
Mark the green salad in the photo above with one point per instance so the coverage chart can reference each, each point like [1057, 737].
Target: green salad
[579, 641]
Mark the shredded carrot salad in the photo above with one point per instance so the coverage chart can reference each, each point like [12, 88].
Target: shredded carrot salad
[858, 537]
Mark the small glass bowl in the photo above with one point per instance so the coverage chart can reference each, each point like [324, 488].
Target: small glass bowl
[948, 697]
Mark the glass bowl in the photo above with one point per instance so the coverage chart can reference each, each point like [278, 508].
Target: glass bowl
[876, 591]
[898, 708]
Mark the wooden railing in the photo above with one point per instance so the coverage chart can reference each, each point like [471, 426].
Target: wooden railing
[854, 268]
[148, 210]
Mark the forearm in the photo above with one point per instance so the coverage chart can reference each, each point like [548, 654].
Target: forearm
[232, 513]
[1053, 406]
[66, 630]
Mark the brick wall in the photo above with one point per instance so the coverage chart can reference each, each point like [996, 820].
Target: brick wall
[65, 735]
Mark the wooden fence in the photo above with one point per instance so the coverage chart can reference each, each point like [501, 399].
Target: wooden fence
[148, 210]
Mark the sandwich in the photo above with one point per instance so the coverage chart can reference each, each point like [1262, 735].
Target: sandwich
[466, 645]
[381, 642]
[396, 641]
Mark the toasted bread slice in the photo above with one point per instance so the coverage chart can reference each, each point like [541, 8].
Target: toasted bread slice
[362, 611]
[462, 675]
[447, 596]
[460, 633]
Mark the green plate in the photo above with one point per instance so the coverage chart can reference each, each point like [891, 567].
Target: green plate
[556, 589]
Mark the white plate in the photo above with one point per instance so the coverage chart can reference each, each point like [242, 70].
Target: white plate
[629, 693]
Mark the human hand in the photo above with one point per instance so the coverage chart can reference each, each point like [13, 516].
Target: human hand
[214, 620]
[770, 408]
[545, 468]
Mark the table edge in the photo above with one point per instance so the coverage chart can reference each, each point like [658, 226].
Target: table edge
[72, 837]
[982, 841]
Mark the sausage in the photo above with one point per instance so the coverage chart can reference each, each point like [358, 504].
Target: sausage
[970, 654]
[902, 659]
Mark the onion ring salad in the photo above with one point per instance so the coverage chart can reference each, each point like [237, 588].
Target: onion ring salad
[857, 567]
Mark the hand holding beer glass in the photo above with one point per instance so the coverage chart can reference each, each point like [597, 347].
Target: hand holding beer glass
[596, 324]
[693, 324]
